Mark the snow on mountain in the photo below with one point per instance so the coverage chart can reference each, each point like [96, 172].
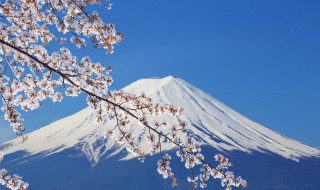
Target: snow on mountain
[211, 121]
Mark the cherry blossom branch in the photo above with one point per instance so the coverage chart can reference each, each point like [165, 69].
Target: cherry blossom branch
[187, 150]
[86, 91]
[14, 182]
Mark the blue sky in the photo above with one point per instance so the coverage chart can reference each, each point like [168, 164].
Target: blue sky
[260, 57]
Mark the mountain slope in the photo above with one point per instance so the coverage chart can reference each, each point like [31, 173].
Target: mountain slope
[211, 121]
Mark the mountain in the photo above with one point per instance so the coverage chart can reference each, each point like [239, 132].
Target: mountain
[72, 154]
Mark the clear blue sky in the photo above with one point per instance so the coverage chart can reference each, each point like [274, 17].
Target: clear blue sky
[260, 57]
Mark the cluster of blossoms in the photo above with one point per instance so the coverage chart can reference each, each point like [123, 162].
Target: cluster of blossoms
[164, 167]
[29, 74]
[191, 159]
[31, 20]
[12, 182]
[227, 177]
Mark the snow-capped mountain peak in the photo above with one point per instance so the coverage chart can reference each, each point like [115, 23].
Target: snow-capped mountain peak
[212, 123]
